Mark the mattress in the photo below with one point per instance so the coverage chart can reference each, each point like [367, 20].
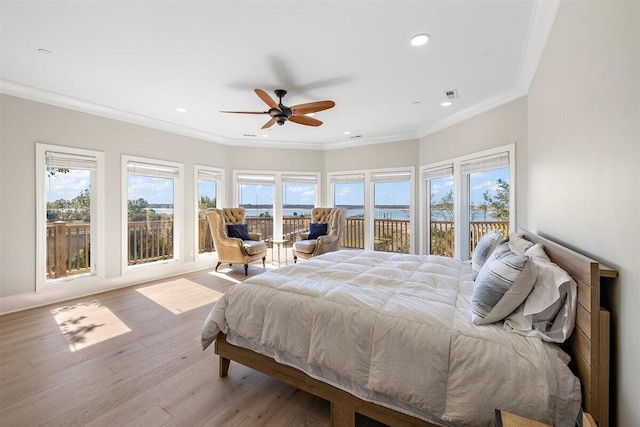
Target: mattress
[396, 329]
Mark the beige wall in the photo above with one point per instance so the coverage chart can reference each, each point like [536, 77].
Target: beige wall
[584, 161]
[501, 126]
[24, 123]
[389, 155]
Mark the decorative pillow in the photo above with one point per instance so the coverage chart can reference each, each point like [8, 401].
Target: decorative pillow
[549, 311]
[485, 247]
[519, 244]
[504, 282]
[241, 231]
[316, 230]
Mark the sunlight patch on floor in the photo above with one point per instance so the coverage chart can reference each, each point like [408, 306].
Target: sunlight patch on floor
[181, 295]
[87, 323]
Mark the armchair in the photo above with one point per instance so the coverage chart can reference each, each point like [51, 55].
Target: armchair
[232, 249]
[335, 219]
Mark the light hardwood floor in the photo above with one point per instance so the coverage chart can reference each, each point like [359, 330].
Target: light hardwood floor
[132, 357]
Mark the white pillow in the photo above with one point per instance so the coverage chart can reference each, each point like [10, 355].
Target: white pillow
[518, 244]
[504, 282]
[485, 247]
[549, 311]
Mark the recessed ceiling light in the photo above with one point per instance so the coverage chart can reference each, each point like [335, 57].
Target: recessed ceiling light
[45, 51]
[447, 103]
[310, 114]
[347, 132]
[264, 135]
[420, 39]
[181, 110]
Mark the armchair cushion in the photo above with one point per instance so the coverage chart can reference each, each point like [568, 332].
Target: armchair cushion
[317, 230]
[239, 231]
[305, 246]
[252, 247]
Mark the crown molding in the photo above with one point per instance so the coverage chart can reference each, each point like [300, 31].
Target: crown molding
[503, 98]
[39, 95]
[542, 20]
[540, 25]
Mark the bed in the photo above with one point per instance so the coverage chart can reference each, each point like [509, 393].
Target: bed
[347, 327]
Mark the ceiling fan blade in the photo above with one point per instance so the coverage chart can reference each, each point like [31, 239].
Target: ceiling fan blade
[304, 120]
[246, 112]
[312, 107]
[269, 124]
[267, 99]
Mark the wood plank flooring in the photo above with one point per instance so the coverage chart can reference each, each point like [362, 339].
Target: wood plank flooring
[132, 357]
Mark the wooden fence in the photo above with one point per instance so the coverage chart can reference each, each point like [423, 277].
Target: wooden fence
[69, 250]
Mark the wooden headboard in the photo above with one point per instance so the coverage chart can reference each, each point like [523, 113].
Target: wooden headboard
[590, 342]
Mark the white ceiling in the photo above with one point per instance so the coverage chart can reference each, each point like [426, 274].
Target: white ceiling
[140, 60]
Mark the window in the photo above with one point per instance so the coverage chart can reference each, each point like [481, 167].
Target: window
[379, 208]
[69, 218]
[209, 189]
[391, 211]
[255, 194]
[299, 193]
[152, 210]
[440, 212]
[348, 193]
[471, 195]
[278, 204]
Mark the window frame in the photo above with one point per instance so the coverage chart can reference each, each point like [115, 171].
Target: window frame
[461, 197]
[278, 198]
[96, 226]
[369, 201]
[220, 201]
[178, 213]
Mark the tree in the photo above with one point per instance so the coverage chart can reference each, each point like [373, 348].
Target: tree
[443, 210]
[498, 204]
[205, 203]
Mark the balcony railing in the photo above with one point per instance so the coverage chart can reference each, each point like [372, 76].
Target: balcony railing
[69, 249]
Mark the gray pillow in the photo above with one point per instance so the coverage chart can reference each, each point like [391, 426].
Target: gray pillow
[504, 282]
[485, 247]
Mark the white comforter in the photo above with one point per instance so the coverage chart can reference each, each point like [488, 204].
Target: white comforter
[396, 329]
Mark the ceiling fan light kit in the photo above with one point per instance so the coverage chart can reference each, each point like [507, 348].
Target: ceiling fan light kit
[280, 113]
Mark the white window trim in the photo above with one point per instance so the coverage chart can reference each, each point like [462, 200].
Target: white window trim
[369, 199]
[97, 220]
[178, 213]
[277, 193]
[459, 242]
[220, 186]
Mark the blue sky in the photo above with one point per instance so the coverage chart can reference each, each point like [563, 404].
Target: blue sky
[160, 190]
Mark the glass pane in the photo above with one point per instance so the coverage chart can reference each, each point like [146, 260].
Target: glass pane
[441, 234]
[150, 219]
[68, 201]
[351, 196]
[298, 201]
[206, 199]
[257, 199]
[488, 203]
[391, 230]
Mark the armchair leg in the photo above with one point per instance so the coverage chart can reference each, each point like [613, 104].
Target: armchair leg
[263, 262]
[295, 259]
[246, 269]
[218, 266]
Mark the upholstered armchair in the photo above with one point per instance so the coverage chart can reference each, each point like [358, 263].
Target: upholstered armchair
[335, 219]
[234, 250]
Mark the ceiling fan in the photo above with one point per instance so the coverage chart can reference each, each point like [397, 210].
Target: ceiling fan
[281, 113]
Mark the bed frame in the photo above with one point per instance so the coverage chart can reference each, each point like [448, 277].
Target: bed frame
[588, 346]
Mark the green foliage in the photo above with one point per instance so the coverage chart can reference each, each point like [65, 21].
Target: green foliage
[443, 211]
[139, 210]
[498, 204]
[77, 209]
[205, 203]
